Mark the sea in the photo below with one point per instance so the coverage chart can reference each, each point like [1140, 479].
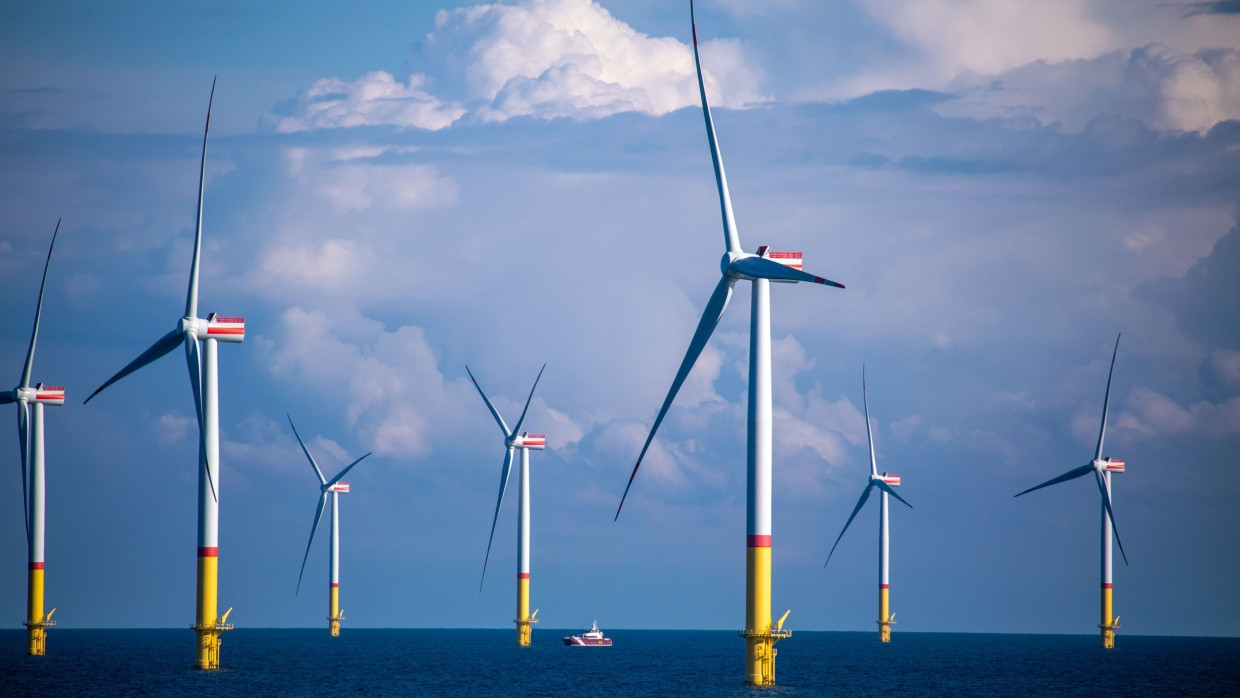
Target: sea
[375, 662]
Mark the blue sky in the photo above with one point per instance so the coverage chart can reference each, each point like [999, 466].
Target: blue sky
[398, 190]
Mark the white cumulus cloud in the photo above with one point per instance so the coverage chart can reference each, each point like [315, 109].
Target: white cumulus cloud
[540, 58]
[375, 99]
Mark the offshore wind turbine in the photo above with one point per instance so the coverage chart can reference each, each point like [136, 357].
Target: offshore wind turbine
[30, 442]
[516, 439]
[884, 483]
[204, 381]
[1102, 468]
[334, 487]
[760, 269]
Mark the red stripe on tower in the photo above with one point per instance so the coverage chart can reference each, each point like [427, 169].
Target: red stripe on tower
[335, 585]
[1106, 585]
[883, 586]
[208, 552]
[758, 541]
[36, 565]
[523, 575]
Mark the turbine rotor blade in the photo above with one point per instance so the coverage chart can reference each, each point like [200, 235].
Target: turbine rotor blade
[494, 413]
[1106, 401]
[865, 401]
[193, 360]
[517, 429]
[342, 473]
[313, 529]
[1070, 475]
[38, 312]
[7, 398]
[23, 441]
[161, 347]
[1106, 502]
[889, 490]
[706, 326]
[319, 473]
[503, 485]
[191, 295]
[865, 494]
[763, 268]
[731, 239]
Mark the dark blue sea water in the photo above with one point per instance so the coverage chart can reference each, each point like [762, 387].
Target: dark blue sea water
[305, 662]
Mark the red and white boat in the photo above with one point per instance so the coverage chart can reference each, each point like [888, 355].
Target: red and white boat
[593, 638]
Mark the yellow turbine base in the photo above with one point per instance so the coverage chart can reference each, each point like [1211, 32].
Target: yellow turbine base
[525, 634]
[208, 626]
[1109, 623]
[884, 616]
[334, 616]
[760, 636]
[36, 623]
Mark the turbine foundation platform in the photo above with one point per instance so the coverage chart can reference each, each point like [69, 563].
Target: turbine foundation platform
[209, 644]
[1108, 634]
[36, 635]
[525, 633]
[760, 655]
[333, 623]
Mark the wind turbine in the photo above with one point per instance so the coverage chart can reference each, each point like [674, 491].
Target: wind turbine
[760, 269]
[204, 381]
[884, 483]
[333, 487]
[1102, 468]
[30, 442]
[516, 439]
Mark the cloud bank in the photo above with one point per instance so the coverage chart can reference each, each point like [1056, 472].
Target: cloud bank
[543, 59]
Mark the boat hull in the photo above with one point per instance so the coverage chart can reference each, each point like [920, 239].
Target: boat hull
[579, 641]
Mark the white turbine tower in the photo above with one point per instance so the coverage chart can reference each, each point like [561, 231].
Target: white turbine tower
[516, 439]
[334, 487]
[760, 269]
[204, 381]
[31, 445]
[1102, 468]
[884, 483]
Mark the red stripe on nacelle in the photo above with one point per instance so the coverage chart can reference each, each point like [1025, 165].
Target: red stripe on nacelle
[523, 575]
[208, 552]
[36, 565]
[225, 330]
[758, 541]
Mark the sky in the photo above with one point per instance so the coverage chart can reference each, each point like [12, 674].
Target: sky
[397, 190]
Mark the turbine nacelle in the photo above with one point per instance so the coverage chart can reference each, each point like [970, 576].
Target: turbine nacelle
[337, 487]
[223, 329]
[736, 267]
[1108, 464]
[889, 478]
[528, 440]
